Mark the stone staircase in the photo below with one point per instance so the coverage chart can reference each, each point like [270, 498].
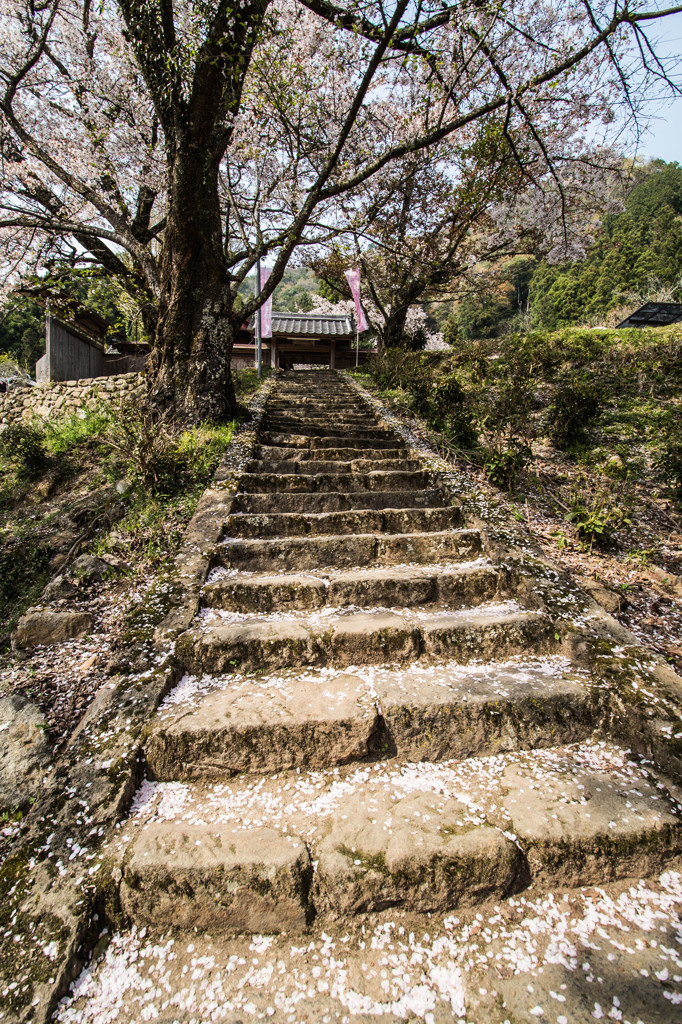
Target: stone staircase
[377, 707]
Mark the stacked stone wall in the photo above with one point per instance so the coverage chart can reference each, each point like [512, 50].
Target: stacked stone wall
[62, 398]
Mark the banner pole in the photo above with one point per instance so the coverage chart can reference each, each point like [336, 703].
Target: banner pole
[259, 344]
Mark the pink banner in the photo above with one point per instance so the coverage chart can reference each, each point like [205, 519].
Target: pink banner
[353, 278]
[266, 308]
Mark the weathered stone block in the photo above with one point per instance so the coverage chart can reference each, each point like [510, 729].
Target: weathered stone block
[585, 827]
[24, 751]
[234, 880]
[419, 852]
[300, 722]
[41, 627]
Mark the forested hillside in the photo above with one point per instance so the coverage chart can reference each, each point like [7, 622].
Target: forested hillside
[637, 254]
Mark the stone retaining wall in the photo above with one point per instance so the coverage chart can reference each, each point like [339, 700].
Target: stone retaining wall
[60, 398]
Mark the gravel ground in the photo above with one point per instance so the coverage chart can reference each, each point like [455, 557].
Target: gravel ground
[63, 679]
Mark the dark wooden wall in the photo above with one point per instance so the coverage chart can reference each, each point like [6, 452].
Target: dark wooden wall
[70, 356]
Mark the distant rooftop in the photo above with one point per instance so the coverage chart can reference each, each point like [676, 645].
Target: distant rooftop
[654, 314]
[312, 324]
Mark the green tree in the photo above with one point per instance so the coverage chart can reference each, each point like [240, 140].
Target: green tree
[329, 292]
[502, 295]
[22, 331]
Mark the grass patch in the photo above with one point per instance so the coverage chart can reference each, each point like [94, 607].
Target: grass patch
[123, 481]
[591, 419]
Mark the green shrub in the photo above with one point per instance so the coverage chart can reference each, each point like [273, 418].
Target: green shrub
[69, 433]
[434, 392]
[449, 410]
[201, 449]
[504, 410]
[24, 445]
[596, 520]
[503, 467]
[576, 405]
[159, 459]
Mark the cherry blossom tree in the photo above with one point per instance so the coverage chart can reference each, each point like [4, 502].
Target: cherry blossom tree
[429, 227]
[172, 144]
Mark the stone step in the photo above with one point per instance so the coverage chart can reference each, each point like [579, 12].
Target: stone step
[305, 442]
[327, 454]
[319, 397]
[228, 641]
[335, 501]
[324, 375]
[320, 410]
[316, 403]
[347, 551]
[300, 524]
[325, 423]
[293, 399]
[297, 429]
[264, 855]
[332, 385]
[215, 728]
[487, 964]
[308, 467]
[377, 480]
[255, 880]
[403, 587]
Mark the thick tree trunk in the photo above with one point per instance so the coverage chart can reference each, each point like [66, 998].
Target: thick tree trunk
[392, 335]
[190, 363]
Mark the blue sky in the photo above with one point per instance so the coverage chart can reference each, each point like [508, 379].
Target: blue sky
[664, 137]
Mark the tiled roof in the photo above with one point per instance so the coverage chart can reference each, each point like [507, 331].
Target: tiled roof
[654, 314]
[312, 324]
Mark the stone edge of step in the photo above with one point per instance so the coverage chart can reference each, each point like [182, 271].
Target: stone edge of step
[255, 644]
[326, 588]
[542, 853]
[205, 529]
[372, 719]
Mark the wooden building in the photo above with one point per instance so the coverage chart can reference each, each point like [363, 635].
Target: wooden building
[82, 348]
[309, 339]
